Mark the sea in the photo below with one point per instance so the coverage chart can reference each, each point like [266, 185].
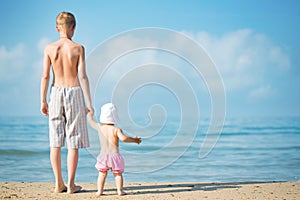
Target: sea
[248, 149]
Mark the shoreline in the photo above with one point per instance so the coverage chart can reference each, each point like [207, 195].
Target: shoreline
[159, 190]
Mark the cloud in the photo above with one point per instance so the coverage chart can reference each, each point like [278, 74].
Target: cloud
[16, 61]
[279, 58]
[262, 92]
[42, 44]
[249, 64]
[244, 58]
[12, 62]
[151, 63]
[38, 62]
[20, 73]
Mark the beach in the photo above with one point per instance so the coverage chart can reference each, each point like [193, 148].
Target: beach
[173, 190]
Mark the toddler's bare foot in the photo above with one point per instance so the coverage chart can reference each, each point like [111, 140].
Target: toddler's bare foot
[60, 189]
[74, 189]
[121, 193]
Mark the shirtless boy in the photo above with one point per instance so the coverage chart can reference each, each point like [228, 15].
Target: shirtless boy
[69, 93]
[109, 157]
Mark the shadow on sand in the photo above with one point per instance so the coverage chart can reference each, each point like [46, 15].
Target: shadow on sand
[161, 188]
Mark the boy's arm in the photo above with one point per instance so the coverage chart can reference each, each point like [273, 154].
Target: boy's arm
[125, 138]
[83, 79]
[91, 121]
[45, 83]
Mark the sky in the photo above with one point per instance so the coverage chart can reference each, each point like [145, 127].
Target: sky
[253, 44]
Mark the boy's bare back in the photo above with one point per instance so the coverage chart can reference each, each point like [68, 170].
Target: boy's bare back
[65, 56]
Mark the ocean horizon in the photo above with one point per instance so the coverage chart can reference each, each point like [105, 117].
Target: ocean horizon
[249, 149]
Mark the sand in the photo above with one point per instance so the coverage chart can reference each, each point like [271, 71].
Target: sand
[43, 190]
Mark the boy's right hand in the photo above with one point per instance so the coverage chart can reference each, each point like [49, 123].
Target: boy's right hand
[44, 109]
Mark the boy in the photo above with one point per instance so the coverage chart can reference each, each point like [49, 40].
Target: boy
[109, 157]
[66, 111]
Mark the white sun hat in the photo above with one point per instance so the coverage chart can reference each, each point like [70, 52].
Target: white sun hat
[108, 114]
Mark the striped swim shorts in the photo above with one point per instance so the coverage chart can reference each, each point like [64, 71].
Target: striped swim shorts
[67, 118]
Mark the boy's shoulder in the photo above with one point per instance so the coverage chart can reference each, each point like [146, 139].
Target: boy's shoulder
[51, 46]
[77, 47]
[60, 43]
[74, 44]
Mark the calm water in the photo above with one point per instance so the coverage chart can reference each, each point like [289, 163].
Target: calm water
[249, 149]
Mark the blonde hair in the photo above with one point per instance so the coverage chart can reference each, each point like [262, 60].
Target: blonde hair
[65, 20]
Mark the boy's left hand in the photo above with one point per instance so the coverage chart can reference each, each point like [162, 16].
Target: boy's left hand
[90, 111]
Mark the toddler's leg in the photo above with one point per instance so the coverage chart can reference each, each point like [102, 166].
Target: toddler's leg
[100, 183]
[119, 183]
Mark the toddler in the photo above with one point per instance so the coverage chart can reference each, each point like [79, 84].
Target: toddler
[109, 157]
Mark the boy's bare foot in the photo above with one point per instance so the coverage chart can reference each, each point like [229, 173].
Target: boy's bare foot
[121, 193]
[74, 189]
[60, 189]
[98, 194]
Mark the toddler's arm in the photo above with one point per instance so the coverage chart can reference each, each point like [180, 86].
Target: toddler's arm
[125, 138]
[90, 119]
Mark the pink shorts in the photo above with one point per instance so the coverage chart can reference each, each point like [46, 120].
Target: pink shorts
[113, 161]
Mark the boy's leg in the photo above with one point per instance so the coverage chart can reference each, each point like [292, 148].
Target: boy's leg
[101, 180]
[119, 183]
[55, 159]
[76, 131]
[72, 165]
